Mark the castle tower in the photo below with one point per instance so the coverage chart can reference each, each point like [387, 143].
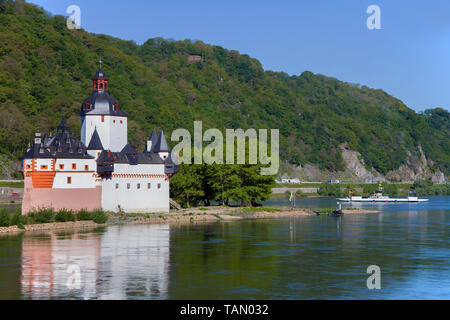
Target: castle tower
[161, 147]
[152, 141]
[101, 112]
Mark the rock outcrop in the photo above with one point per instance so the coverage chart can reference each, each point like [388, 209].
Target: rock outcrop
[416, 167]
[355, 166]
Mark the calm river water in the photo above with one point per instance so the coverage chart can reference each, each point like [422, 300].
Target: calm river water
[317, 257]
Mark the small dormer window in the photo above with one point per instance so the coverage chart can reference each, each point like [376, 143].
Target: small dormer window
[116, 107]
[88, 105]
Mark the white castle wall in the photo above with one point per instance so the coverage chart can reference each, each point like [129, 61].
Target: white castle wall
[80, 177]
[112, 131]
[115, 191]
[43, 162]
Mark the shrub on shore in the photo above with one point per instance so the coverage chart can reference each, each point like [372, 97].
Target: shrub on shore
[83, 215]
[99, 216]
[47, 215]
[44, 215]
[64, 215]
[5, 218]
[18, 220]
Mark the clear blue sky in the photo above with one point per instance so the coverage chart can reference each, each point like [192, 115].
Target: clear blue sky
[408, 58]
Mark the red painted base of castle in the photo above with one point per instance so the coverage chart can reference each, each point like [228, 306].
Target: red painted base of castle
[71, 199]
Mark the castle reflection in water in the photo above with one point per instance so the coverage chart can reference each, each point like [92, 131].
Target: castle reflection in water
[114, 263]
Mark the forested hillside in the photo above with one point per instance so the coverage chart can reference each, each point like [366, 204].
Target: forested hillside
[45, 67]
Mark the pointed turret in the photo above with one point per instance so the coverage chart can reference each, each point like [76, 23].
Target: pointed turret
[63, 127]
[95, 143]
[161, 146]
[152, 141]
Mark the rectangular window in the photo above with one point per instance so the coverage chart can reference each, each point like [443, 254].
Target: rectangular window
[86, 168]
[128, 186]
[138, 185]
[61, 167]
[44, 167]
[159, 185]
[69, 180]
[28, 166]
[114, 121]
[149, 185]
[117, 186]
[121, 121]
[74, 166]
[103, 118]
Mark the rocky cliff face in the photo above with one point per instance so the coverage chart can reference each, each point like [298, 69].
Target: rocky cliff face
[356, 170]
[417, 168]
[355, 166]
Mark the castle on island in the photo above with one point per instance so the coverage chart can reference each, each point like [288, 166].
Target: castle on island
[100, 171]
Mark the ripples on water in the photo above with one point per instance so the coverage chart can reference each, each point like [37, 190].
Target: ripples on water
[296, 258]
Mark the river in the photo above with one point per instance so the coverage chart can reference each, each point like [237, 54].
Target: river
[314, 257]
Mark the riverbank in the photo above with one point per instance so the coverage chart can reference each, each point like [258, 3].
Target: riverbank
[184, 216]
[53, 226]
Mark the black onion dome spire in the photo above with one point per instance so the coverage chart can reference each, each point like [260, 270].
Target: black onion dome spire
[100, 73]
[100, 102]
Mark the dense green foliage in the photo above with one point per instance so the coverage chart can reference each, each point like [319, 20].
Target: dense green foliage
[46, 215]
[226, 184]
[330, 190]
[427, 188]
[45, 67]
[5, 218]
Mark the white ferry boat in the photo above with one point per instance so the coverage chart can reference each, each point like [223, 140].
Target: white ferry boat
[379, 197]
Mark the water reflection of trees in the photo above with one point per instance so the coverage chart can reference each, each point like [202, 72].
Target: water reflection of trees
[311, 257]
[219, 261]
